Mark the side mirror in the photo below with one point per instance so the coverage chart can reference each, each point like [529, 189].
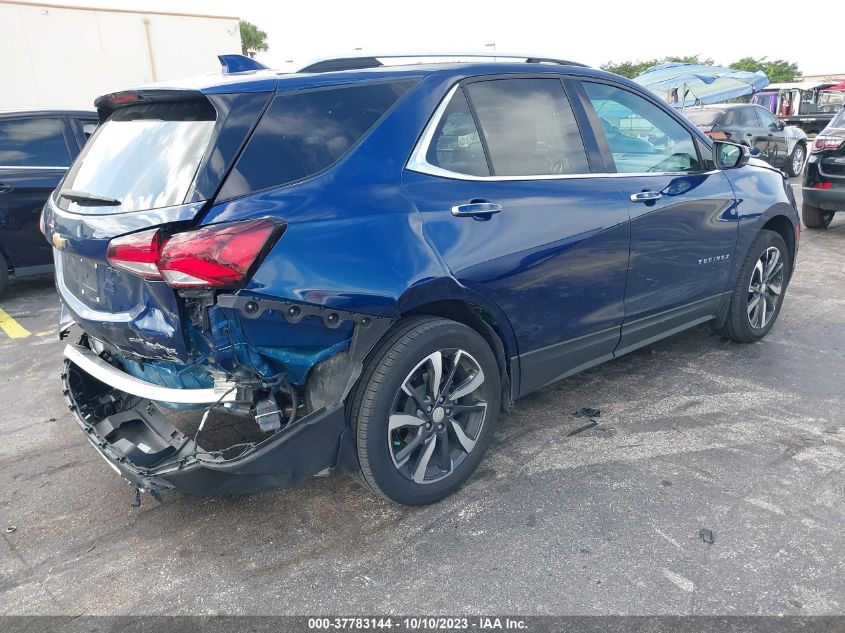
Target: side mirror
[730, 155]
[781, 125]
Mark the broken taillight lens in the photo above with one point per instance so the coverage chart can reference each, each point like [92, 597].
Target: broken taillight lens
[217, 256]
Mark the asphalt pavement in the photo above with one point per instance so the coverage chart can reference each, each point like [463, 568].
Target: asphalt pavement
[698, 440]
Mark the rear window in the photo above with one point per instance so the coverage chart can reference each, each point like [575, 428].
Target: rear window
[36, 142]
[146, 156]
[704, 117]
[838, 120]
[305, 132]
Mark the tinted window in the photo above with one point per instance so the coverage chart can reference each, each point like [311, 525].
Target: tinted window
[642, 137]
[37, 142]
[304, 132]
[529, 127]
[146, 156]
[704, 117]
[838, 121]
[767, 119]
[748, 118]
[730, 118]
[456, 145]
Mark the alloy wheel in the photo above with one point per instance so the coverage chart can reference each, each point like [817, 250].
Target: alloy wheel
[765, 288]
[437, 416]
[797, 159]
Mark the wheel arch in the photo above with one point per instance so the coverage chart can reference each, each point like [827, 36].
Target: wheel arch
[782, 225]
[491, 330]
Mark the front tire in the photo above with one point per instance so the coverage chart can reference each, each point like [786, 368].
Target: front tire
[796, 160]
[815, 218]
[425, 410]
[758, 294]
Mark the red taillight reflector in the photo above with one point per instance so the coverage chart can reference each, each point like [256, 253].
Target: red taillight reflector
[137, 252]
[822, 143]
[822, 185]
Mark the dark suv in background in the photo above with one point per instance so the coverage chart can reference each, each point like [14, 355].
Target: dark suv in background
[824, 177]
[781, 145]
[36, 149]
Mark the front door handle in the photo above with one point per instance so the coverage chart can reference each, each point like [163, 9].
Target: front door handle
[646, 196]
[5, 187]
[476, 208]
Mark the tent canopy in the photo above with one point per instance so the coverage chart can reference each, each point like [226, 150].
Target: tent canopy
[690, 84]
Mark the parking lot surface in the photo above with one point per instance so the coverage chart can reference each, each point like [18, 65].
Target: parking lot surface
[695, 433]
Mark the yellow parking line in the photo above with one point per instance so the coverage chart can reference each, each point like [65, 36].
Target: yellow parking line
[11, 327]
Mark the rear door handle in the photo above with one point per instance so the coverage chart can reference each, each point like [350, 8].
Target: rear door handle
[5, 187]
[476, 208]
[646, 196]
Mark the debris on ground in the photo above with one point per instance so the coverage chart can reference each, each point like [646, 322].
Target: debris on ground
[11, 528]
[708, 536]
[582, 428]
[587, 412]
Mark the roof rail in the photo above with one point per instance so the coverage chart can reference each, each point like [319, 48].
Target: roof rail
[374, 61]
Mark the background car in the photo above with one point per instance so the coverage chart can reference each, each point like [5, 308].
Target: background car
[824, 176]
[36, 149]
[780, 145]
[368, 263]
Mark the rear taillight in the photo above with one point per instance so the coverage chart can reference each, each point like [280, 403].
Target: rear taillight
[821, 185]
[822, 143]
[217, 256]
[137, 252]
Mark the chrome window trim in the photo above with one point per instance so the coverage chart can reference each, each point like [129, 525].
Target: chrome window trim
[418, 163]
[65, 167]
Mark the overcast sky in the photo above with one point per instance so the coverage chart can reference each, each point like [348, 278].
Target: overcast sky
[592, 32]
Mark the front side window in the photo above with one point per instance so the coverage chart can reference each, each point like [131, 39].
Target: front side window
[529, 127]
[642, 136]
[144, 156]
[748, 118]
[35, 142]
[304, 132]
[767, 119]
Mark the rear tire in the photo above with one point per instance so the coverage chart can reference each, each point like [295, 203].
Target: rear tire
[412, 448]
[4, 274]
[815, 218]
[760, 287]
[795, 164]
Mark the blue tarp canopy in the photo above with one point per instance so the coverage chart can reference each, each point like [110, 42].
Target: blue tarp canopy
[701, 84]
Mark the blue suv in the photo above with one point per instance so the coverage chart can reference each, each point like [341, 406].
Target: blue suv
[358, 267]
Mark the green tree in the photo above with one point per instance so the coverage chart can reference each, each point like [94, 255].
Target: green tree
[777, 70]
[253, 39]
[632, 69]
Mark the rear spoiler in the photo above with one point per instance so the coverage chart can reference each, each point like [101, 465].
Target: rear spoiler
[107, 104]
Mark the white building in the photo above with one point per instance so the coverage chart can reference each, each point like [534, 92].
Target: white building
[62, 56]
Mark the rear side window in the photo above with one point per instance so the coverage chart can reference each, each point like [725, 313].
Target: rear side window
[35, 142]
[146, 156]
[305, 132]
[529, 127]
[704, 117]
[456, 145]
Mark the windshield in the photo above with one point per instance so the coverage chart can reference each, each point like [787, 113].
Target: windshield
[143, 157]
[704, 117]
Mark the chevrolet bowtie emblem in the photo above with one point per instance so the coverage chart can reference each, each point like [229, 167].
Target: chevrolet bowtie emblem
[59, 241]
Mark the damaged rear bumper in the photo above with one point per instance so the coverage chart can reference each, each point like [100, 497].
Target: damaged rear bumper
[145, 448]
